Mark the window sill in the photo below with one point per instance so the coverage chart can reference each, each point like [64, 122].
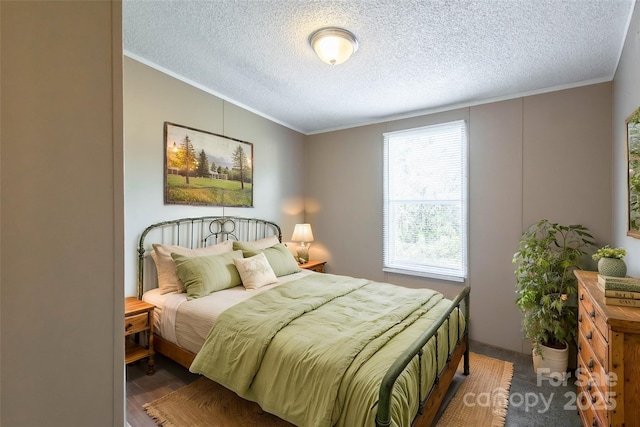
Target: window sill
[447, 277]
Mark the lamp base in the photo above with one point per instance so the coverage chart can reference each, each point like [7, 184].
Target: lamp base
[303, 253]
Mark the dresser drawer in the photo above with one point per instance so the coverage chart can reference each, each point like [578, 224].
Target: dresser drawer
[590, 336]
[590, 417]
[588, 364]
[588, 312]
[136, 323]
[592, 398]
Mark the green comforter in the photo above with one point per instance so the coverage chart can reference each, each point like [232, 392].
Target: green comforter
[313, 351]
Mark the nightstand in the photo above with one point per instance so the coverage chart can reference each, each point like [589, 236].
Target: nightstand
[314, 265]
[138, 320]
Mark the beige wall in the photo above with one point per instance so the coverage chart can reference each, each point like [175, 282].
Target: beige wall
[61, 215]
[626, 98]
[495, 223]
[151, 98]
[545, 156]
[567, 153]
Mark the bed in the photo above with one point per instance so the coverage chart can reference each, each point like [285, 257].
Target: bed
[312, 348]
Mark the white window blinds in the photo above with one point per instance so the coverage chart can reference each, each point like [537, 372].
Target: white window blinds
[425, 201]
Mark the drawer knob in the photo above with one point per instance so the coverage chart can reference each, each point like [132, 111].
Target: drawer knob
[591, 364]
[580, 318]
[593, 313]
[594, 423]
[581, 297]
[589, 386]
[579, 348]
[593, 399]
[590, 335]
[128, 326]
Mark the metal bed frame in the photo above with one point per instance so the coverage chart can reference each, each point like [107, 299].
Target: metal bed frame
[207, 230]
[204, 231]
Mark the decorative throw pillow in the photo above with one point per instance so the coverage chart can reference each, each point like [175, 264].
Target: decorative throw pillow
[203, 275]
[168, 280]
[281, 260]
[255, 271]
[256, 244]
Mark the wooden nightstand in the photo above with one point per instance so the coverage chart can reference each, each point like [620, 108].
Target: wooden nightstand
[138, 319]
[314, 266]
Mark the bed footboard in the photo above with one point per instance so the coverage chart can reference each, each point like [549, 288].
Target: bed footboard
[429, 406]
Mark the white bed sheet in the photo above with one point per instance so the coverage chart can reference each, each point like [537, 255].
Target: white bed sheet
[187, 323]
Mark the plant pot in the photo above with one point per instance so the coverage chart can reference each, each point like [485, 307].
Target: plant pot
[613, 267]
[553, 362]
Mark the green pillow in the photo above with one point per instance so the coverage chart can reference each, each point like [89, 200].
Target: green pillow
[281, 260]
[203, 275]
[255, 245]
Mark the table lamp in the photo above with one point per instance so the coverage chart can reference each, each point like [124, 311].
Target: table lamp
[302, 233]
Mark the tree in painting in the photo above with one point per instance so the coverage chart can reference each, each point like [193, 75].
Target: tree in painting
[203, 165]
[182, 158]
[241, 164]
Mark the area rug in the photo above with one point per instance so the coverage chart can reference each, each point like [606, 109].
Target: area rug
[206, 403]
[483, 396]
[481, 400]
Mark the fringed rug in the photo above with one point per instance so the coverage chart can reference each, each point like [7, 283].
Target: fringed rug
[481, 400]
[204, 403]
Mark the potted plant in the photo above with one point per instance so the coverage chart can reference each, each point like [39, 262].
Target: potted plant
[546, 290]
[610, 261]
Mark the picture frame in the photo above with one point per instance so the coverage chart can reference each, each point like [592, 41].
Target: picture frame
[206, 169]
[633, 176]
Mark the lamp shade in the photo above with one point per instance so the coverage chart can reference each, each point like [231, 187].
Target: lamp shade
[302, 233]
[333, 45]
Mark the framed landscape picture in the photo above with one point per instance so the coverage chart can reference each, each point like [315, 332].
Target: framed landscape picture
[204, 168]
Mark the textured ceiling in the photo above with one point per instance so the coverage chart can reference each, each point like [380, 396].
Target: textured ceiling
[414, 56]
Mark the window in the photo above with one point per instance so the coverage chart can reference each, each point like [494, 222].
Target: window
[425, 201]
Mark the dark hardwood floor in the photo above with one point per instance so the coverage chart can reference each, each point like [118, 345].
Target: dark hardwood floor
[142, 388]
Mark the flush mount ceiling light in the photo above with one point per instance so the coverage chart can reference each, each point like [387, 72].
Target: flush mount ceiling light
[333, 45]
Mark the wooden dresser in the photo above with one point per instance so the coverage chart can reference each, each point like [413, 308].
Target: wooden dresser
[608, 358]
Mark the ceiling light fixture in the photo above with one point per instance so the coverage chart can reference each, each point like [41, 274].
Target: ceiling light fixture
[333, 45]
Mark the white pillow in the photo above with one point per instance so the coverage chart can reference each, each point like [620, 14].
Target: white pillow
[168, 280]
[255, 271]
[255, 245]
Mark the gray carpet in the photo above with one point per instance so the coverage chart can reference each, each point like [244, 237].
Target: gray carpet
[535, 401]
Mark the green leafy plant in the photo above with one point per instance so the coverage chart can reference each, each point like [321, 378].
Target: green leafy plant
[609, 252]
[547, 255]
